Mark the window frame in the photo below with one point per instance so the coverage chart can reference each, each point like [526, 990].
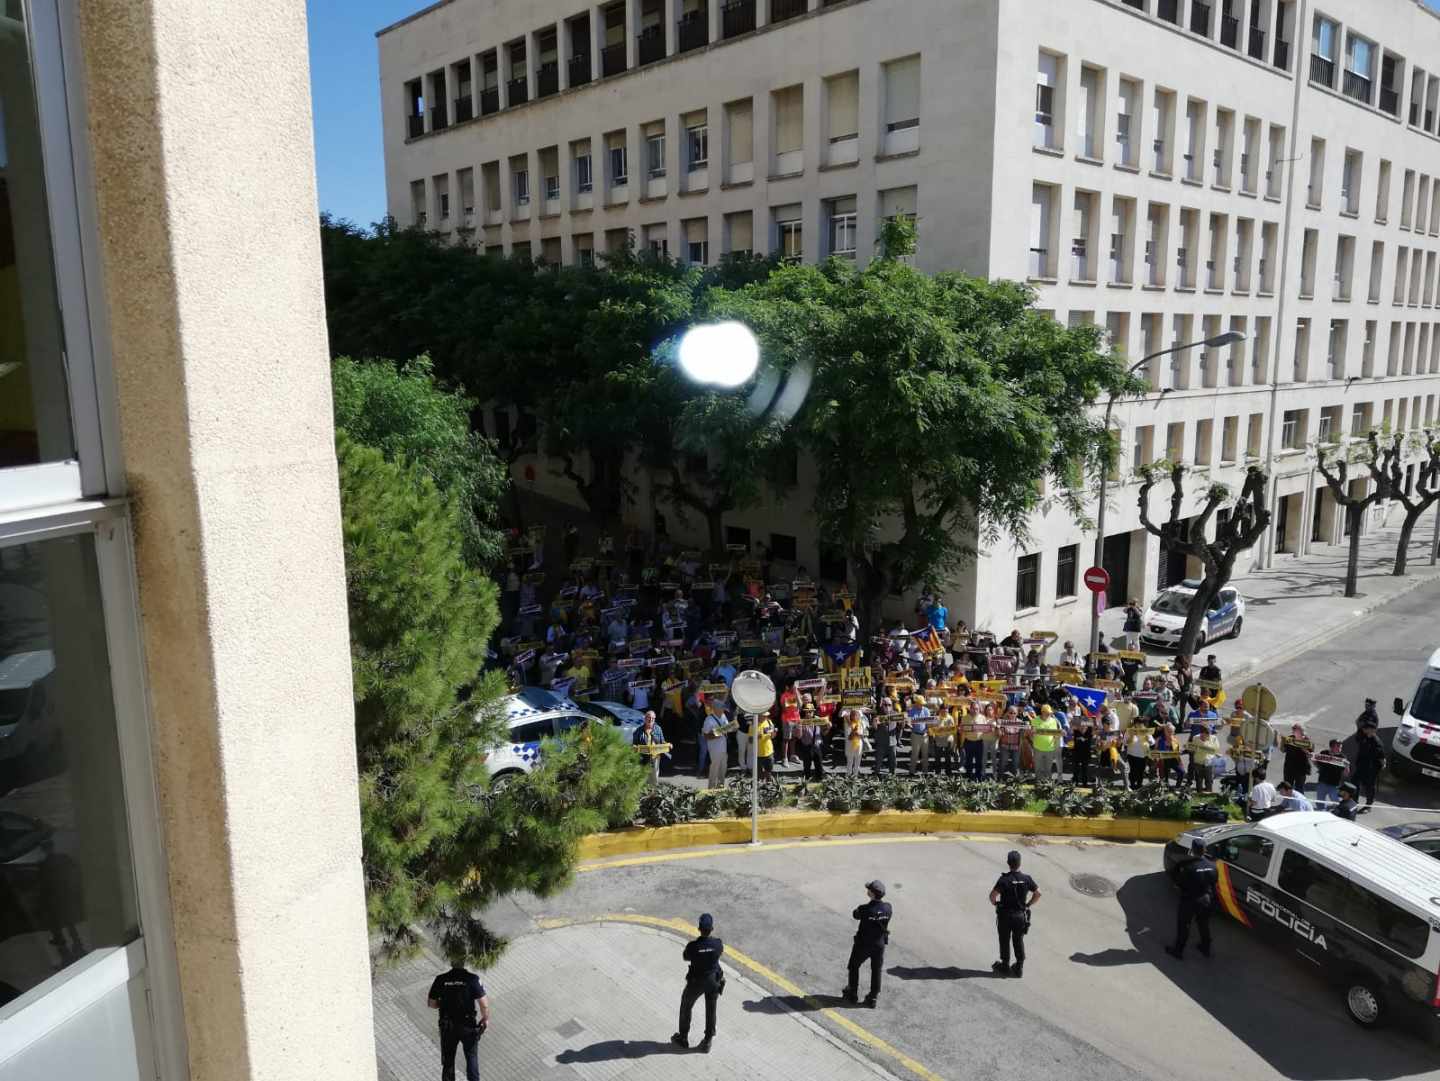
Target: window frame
[1026, 599]
[584, 175]
[697, 135]
[1061, 593]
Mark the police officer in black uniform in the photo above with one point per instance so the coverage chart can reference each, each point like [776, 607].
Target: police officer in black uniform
[1198, 879]
[455, 994]
[871, 938]
[1012, 897]
[705, 977]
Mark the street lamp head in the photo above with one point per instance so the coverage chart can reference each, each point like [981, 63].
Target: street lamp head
[1230, 337]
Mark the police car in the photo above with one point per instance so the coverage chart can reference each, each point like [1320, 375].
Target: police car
[532, 714]
[1361, 907]
[1165, 617]
[1416, 748]
[626, 718]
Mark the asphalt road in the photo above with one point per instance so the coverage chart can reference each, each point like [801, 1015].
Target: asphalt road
[1100, 999]
[1380, 657]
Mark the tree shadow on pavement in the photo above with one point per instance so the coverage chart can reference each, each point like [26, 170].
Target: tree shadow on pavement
[1263, 995]
[610, 1050]
[930, 972]
[777, 1004]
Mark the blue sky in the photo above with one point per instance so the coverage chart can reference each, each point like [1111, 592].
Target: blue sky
[345, 82]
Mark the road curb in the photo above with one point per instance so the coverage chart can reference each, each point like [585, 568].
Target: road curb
[722, 831]
[1304, 645]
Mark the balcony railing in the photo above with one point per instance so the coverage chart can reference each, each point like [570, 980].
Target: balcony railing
[1282, 54]
[1257, 43]
[579, 69]
[1322, 71]
[415, 125]
[780, 10]
[517, 92]
[464, 110]
[547, 79]
[439, 121]
[1357, 86]
[1200, 19]
[1169, 10]
[612, 59]
[1229, 31]
[490, 101]
[692, 32]
[650, 45]
[1390, 100]
[737, 17]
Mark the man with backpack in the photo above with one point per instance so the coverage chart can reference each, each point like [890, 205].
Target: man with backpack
[456, 994]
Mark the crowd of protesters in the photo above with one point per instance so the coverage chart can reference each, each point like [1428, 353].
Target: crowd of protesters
[667, 630]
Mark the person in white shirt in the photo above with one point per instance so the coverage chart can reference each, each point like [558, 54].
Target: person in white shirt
[1290, 800]
[715, 743]
[1263, 798]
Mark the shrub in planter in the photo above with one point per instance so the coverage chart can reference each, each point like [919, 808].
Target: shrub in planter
[666, 805]
[902, 795]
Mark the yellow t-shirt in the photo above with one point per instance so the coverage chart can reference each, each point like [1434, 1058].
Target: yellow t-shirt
[855, 737]
[765, 739]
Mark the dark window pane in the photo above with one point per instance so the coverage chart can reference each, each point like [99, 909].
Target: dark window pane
[1065, 570]
[65, 879]
[1027, 581]
[1248, 853]
[782, 546]
[34, 404]
[1352, 903]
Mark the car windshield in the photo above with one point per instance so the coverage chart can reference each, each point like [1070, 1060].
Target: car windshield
[1172, 603]
[1426, 706]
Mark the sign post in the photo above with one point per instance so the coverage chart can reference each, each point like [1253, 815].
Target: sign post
[754, 692]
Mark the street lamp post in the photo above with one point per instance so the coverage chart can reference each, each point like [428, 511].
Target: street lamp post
[1228, 338]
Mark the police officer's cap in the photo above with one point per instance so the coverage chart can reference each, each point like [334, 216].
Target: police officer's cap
[1346, 786]
[1197, 846]
[707, 922]
[876, 887]
[1013, 859]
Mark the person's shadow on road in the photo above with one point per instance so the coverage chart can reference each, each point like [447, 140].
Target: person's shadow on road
[611, 1050]
[1111, 958]
[777, 1004]
[930, 972]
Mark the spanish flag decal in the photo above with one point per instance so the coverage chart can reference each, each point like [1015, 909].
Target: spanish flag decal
[1228, 897]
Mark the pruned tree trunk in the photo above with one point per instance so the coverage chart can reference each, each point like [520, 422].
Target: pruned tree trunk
[1355, 515]
[1195, 617]
[1407, 529]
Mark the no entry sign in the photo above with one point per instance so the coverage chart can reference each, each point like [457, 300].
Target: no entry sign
[1097, 579]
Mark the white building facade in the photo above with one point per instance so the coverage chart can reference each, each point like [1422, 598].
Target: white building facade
[1170, 170]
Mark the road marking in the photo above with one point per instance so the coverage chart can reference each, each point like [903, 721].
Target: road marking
[775, 846]
[687, 929]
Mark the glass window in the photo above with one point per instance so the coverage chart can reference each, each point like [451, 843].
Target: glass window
[1426, 706]
[1027, 581]
[34, 397]
[1247, 852]
[698, 142]
[1065, 570]
[531, 731]
[1348, 901]
[583, 180]
[66, 886]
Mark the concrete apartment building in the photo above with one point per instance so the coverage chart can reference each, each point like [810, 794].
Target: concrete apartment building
[180, 885]
[1168, 169]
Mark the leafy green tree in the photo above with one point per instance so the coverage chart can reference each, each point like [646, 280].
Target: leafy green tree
[439, 845]
[401, 410]
[936, 405]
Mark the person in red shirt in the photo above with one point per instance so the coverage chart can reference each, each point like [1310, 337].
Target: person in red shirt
[789, 718]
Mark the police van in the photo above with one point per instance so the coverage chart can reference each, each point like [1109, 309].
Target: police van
[1361, 907]
[1416, 748]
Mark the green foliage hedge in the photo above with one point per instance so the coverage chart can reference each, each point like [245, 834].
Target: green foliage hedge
[670, 804]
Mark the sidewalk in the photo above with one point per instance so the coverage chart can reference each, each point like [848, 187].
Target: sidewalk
[593, 1001]
[1299, 602]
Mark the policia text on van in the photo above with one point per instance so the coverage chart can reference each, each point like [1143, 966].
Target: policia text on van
[1362, 907]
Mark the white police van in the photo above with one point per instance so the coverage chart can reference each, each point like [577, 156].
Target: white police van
[1416, 749]
[532, 714]
[1361, 907]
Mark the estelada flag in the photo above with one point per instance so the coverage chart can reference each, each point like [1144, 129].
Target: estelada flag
[928, 641]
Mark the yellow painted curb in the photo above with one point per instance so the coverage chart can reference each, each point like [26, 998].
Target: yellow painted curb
[723, 831]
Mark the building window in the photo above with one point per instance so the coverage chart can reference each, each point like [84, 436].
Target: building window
[552, 187]
[1047, 78]
[833, 565]
[1290, 434]
[699, 252]
[584, 181]
[619, 168]
[1065, 565]
[842, 227]
[697, 146]
[902, 94]
[655, 154]
[782, 547]
[1027, 582]
[790, 232]
[522, 187]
